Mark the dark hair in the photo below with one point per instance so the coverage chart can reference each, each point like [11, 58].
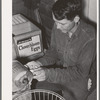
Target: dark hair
[66, 9]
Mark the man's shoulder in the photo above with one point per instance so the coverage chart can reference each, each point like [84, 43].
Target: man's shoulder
[88, 30]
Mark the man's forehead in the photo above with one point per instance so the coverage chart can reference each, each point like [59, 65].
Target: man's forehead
[63, 21]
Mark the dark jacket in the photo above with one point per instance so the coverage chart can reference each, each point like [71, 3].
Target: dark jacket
[74, 57]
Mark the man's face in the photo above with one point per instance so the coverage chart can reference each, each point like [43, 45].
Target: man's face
[64, 25]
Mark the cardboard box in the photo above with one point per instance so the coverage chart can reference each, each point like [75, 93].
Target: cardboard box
[27, 38]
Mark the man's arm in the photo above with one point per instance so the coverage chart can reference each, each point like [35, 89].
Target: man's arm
[81, 68]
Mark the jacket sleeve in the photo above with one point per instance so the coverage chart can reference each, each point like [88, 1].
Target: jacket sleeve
[50, 56]
[81, 69]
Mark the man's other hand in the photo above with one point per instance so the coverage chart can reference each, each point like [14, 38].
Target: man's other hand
[33, 65]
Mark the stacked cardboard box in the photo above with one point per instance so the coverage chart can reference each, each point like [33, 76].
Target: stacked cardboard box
[27, 38]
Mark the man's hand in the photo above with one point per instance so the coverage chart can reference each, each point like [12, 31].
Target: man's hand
[33, 65]
[39, 74]
[89, 84]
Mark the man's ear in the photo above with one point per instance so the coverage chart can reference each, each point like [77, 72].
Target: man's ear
[76, 19]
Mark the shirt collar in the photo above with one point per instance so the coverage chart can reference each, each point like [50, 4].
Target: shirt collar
[74, 30]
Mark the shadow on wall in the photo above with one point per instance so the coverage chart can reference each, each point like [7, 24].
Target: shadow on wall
[38, 24]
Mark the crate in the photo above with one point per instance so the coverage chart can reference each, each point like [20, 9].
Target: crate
[39, 94]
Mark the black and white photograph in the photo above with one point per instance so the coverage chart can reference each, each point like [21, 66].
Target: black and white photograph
[54, 50]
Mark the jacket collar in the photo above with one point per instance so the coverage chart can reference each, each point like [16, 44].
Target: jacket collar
[75, 30]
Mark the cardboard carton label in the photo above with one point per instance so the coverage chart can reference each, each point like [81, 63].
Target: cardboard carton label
[29, 46]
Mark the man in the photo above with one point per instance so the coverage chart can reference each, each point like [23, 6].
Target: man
[71, 52]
